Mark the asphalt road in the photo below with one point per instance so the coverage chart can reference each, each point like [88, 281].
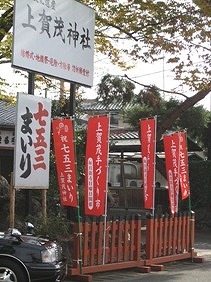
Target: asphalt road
[184, 271]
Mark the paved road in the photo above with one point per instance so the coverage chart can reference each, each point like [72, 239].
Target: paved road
[184, 271]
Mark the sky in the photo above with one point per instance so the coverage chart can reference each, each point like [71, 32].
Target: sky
[158, 74]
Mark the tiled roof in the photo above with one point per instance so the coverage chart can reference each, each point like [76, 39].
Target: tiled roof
[124, 135]
[130, 138]
[94, 105]
[129, 141]
[7, 114]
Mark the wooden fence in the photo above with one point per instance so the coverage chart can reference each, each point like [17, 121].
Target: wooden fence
[170, 238]
[125, 243]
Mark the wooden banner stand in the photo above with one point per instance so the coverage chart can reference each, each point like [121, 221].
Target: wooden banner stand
[44, 206]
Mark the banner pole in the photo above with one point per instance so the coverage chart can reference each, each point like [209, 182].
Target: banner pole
[178, 163]
[28, 192]
[106, 197]
[155, 139]
[79, 231]
[78, 206]
[12, 202]
[189, 200]
[189, 203]
[72, 105]
[105, 223]
[192, 217]
[44, 206]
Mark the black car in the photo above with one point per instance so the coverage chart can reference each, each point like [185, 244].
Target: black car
[29, 258]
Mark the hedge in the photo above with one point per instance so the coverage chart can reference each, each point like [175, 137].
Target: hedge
[200, 184]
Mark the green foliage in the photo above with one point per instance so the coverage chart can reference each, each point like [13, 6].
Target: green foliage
[59, 107]
[57, 227]
[143, 30]
[6, 98]
[195, 119]
[136, 113]
[80, 153]
[53, 197]
[149, 96]
[200, 183]
[204, 5]
[6, 20]
[6, 48]
[115, 89]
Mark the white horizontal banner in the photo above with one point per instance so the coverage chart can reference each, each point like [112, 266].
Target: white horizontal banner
[55, 38]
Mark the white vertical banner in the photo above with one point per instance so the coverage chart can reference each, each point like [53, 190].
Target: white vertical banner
[32, 142]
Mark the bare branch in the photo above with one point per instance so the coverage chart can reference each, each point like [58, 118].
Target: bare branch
[180, 109]
[5, 62]
[149, 86]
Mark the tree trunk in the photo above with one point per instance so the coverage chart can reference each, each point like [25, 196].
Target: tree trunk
[6, 22]
[180, 109]
[209, 142]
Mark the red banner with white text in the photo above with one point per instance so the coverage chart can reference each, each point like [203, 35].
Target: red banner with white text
[184, 173]
[148, 135]
[171, 148]
[96, 165]
[64, 148]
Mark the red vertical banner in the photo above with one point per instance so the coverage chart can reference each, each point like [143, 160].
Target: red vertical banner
[64, 148]
[171, 148]
[96, 165]
[184, 171]
[148, 136]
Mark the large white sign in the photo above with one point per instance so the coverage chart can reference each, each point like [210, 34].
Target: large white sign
[56, 38]
[32, 142]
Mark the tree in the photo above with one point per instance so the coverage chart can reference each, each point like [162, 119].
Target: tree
[6, 21]
[142, 30]
[153, 27]
[195, 119]
[149, 102]
[145, 30]
[204, 5]
[114, 88]
[179, 109]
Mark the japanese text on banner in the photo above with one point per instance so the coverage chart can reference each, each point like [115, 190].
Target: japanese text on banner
[65, 161]
[147, 128]
[184, 175]
[171, 147]
[96, 165]
[32, 141]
